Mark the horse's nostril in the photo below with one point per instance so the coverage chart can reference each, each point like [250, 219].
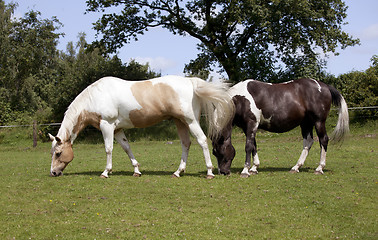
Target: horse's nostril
[54, 173]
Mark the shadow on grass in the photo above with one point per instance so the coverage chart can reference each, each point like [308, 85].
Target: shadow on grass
[198, 174]
[130, 173]
[279, 169]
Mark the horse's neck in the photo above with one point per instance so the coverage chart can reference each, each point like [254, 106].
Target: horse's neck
[66, 129]
[72, 123]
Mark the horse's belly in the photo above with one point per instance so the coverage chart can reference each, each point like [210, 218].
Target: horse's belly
[142, 119]
[278, 125]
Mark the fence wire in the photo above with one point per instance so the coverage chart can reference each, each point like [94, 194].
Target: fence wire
[333, 109]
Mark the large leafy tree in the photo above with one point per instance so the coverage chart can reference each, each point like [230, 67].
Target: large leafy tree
[36, 79]
[27, 60]
[80, 67]
[360, 88]
[255, 38]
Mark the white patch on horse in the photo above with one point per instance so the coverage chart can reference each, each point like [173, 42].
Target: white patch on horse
[319, 87]
[241, 90]
[287, 82]
[271, 84]
[265, 120]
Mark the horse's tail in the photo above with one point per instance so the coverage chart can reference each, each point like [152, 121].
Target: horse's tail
[216, 103]
[342, 126]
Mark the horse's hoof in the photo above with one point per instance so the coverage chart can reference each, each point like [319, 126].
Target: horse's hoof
[253, 172]
[103, 176]
[174, 176]
[209, 176]
[244, 175]
[293, 171]
[318, 173]
[137, 174]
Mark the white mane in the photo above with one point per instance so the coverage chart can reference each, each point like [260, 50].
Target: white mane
[70, 119]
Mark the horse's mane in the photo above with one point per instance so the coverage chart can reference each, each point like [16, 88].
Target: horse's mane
[73, 111]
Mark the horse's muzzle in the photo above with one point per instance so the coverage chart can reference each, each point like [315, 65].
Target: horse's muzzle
[56, 173]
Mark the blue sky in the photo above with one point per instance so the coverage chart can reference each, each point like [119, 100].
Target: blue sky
[168, 53]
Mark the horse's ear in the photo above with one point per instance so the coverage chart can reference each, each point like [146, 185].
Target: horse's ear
[58, 140]
[51, 137]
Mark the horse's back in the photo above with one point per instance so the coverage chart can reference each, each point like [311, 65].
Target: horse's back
[316, 96]
[304, 92]
[141, 103]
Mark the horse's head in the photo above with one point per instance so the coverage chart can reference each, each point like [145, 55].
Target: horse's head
[225, 153]
[61, 154]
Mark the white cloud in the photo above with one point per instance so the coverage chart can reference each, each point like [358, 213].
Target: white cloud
[157, 63]
[370, 33]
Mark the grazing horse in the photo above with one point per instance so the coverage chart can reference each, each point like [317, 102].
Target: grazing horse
[112, 104]
[280, 108]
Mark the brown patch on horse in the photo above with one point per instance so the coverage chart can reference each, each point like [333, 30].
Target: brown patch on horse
[66, 155]
[158, 101]
[87, 118]
[63, 155]
[285, 108]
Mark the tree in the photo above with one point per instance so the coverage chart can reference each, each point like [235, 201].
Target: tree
[39, 81]
[255, 38]
[27, 60]
[80, 66]
[360, 88]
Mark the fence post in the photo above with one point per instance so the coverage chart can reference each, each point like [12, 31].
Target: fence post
[35, 133]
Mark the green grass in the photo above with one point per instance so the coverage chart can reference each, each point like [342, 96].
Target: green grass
[342, 204]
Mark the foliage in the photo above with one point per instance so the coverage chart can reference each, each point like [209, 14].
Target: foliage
[28, 53]
[80, 67]
[359, 88]
[247, 39]
[271, 205]
[36, 79]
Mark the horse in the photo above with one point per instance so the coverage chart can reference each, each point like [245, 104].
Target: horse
[279, 108]
[112, 104]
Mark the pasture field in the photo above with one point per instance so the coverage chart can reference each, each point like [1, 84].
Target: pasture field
[341, 204]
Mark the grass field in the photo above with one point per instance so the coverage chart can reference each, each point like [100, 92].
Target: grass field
[342, 204]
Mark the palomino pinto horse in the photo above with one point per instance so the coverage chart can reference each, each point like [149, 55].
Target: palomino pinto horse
[280, 108]
[113, 104]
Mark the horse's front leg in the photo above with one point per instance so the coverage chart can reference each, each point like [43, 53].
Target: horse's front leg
[250, 150]
[122, 140]
[256, 163]
[108, 135]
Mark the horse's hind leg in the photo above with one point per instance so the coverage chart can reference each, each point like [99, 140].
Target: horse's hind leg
[202, 141]
[122, 140]
[183, 132]
[307, 143]
[323, 140]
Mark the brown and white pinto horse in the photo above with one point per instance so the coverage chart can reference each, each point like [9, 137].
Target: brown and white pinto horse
[280, 108]
[113, 104]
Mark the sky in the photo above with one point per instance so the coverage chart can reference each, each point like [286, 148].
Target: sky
[167, 53]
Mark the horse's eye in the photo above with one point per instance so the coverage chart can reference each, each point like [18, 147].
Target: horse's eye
[58, 154]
